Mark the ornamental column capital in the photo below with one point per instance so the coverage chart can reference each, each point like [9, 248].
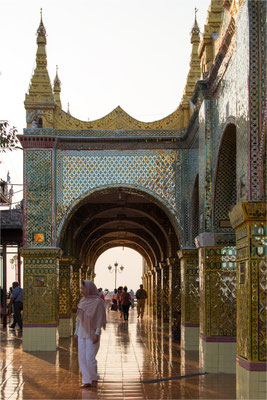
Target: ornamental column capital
[248, 211]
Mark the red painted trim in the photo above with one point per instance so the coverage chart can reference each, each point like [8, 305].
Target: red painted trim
[190, 325]
[251, 366]
[218, 339]
[37, 142]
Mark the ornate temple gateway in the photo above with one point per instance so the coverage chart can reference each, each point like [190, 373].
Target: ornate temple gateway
[186, 192]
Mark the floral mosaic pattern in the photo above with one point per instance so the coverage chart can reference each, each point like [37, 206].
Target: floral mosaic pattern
[80, 172]
[39, 196]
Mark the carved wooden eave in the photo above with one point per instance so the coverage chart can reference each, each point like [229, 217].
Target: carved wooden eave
[117, 119]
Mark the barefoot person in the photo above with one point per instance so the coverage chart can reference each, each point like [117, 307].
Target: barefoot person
[91, 317]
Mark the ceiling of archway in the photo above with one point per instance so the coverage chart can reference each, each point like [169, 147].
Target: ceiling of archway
[119, 218]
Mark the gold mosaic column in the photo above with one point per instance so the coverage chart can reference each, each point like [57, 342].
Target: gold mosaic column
[158, 292]
[144, 281]
[154, 277]
[165, 292]
[150, 295]
[65, 298]
[40, 298]
[189, 299]
[76, 291]
[175, 289]
[249, 221]
[83, 273]
[217, 318]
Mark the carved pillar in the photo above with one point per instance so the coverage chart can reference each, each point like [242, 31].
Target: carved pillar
[175, 289]
[249, 221]
[40, 298]
[189, 299]
[217, 275]
[149, 293]
[76, 291]
[154, 274]
[165, 292]
[83, 272]
[158, 292]
[144, 280]
[65, 297]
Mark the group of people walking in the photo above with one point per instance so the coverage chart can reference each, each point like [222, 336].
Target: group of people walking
[121, 300]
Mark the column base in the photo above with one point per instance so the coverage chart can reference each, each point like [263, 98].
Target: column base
[190, 337]
[250, 380]
[73, 321]
[65, 327]
[217, 354]
[39, 338]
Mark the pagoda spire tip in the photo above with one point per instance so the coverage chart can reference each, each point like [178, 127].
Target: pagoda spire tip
[195, 29]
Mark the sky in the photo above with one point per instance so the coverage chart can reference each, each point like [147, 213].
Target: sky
[131, 274]
[132, 53]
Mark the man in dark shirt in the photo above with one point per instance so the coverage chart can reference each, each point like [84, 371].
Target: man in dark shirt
[141, 296]
[17, 301]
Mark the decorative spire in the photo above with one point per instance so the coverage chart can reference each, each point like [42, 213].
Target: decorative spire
[195, 30]
[41, 30]
[57, 89]
[194, 71]
[40, 94]
[68, 110]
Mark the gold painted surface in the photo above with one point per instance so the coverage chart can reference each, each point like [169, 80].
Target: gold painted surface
[76, 295]
[217, 294]
[189, 286]
[65, 298]
[38, 237]
[175, 285]
[249, 220]
[40, 302]
[39, 102]
[165, 291]
[117, 119]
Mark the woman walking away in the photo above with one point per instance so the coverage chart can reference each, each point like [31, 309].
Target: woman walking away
[119, 300]
[125, 303]
[91, 317]
[114, 306]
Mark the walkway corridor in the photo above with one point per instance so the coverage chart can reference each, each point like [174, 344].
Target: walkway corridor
[130, 356]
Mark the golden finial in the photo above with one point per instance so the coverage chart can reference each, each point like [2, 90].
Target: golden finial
[196, 10]
[41, 30]
[195, 29]
[56, 80]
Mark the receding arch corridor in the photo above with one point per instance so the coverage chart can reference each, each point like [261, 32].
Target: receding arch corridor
[130, 354]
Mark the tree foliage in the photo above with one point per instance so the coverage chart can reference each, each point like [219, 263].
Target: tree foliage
[8, 138]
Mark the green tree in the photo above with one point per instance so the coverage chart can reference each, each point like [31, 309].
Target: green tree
[8, 138]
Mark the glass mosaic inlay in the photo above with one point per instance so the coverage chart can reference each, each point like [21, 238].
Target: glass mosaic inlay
[78, 172]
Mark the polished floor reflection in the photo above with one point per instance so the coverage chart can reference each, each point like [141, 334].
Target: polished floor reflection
[131, 355]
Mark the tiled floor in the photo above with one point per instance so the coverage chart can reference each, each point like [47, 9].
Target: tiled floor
[130, 354]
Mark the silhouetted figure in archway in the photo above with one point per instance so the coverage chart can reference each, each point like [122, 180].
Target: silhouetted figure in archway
[141, 296]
